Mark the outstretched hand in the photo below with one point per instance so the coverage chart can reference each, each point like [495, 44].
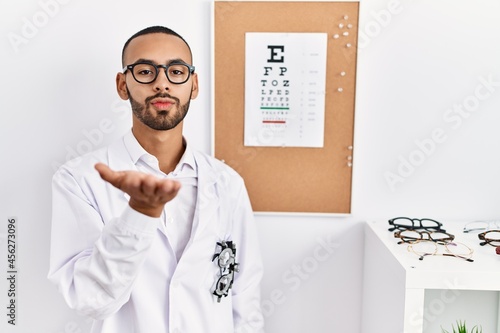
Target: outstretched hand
[148, 194]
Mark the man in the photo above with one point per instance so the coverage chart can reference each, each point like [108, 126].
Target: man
[149, 235]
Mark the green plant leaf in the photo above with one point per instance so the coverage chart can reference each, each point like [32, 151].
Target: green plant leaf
[462, 328]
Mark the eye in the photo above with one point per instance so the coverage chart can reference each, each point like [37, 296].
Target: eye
[144, 70]
[177, 70]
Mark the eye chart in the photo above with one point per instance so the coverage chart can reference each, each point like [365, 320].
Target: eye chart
[284, 100]
[285, 77]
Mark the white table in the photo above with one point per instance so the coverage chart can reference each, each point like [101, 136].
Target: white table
[395, 280]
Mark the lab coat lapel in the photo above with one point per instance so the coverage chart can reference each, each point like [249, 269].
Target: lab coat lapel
[208, 196]
[119, 159]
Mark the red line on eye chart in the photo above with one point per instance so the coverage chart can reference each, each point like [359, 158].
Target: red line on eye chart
[274, 122]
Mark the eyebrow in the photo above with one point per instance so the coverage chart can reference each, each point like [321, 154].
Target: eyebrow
[149, 61]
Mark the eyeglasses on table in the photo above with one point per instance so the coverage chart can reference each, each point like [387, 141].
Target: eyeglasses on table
[411, 236]
[481, 226]
[407, 223]
[491, 237]
[423, 248]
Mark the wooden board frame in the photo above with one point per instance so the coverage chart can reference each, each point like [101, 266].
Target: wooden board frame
[296, 180]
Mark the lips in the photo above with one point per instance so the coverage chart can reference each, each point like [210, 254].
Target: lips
[162, 103]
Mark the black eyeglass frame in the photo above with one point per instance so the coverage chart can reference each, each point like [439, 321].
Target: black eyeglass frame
[157, 70]
[396, 226]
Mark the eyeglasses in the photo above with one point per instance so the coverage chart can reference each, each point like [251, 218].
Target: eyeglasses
[452, 249]
[223, 284]
[491, 237]
[412, 236]
[227, 264]
[147, 72]
[406, 223]
[478, 226]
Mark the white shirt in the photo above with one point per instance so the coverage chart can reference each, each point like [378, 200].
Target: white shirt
[178, 214]
[134, 273]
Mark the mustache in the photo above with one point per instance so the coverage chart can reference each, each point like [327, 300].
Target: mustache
[162, 95]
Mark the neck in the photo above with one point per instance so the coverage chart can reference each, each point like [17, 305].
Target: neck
[166, 146]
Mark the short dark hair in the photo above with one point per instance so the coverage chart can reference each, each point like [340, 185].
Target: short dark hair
[153, 30]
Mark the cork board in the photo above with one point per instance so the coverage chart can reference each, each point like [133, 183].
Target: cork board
[288, 179]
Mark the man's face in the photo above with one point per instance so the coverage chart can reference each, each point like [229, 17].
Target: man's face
[160, 105]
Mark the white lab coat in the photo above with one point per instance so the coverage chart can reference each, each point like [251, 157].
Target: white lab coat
[116, 265]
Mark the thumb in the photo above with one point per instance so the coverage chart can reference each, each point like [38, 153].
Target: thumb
[105, 172]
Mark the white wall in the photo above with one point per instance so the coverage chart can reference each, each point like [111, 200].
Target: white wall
[426, 131]
[417, 67]
[417, 59]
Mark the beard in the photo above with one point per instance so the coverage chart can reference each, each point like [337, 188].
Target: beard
[164, 120]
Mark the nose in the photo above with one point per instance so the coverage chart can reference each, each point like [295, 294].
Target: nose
[161, 83]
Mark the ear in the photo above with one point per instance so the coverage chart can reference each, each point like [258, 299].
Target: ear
[194, 88]
[121, 86]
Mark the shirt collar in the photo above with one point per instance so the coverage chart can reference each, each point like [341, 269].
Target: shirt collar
[187, 160]
[137, 153]
[133, 147]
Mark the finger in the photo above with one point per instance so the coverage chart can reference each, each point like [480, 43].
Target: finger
[109, 175]
[104, 171]
[168, 189]
[149, 185]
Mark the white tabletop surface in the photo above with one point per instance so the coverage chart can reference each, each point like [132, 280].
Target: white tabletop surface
[444, 272]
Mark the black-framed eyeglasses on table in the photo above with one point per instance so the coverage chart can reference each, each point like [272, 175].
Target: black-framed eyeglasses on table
[407, 223]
